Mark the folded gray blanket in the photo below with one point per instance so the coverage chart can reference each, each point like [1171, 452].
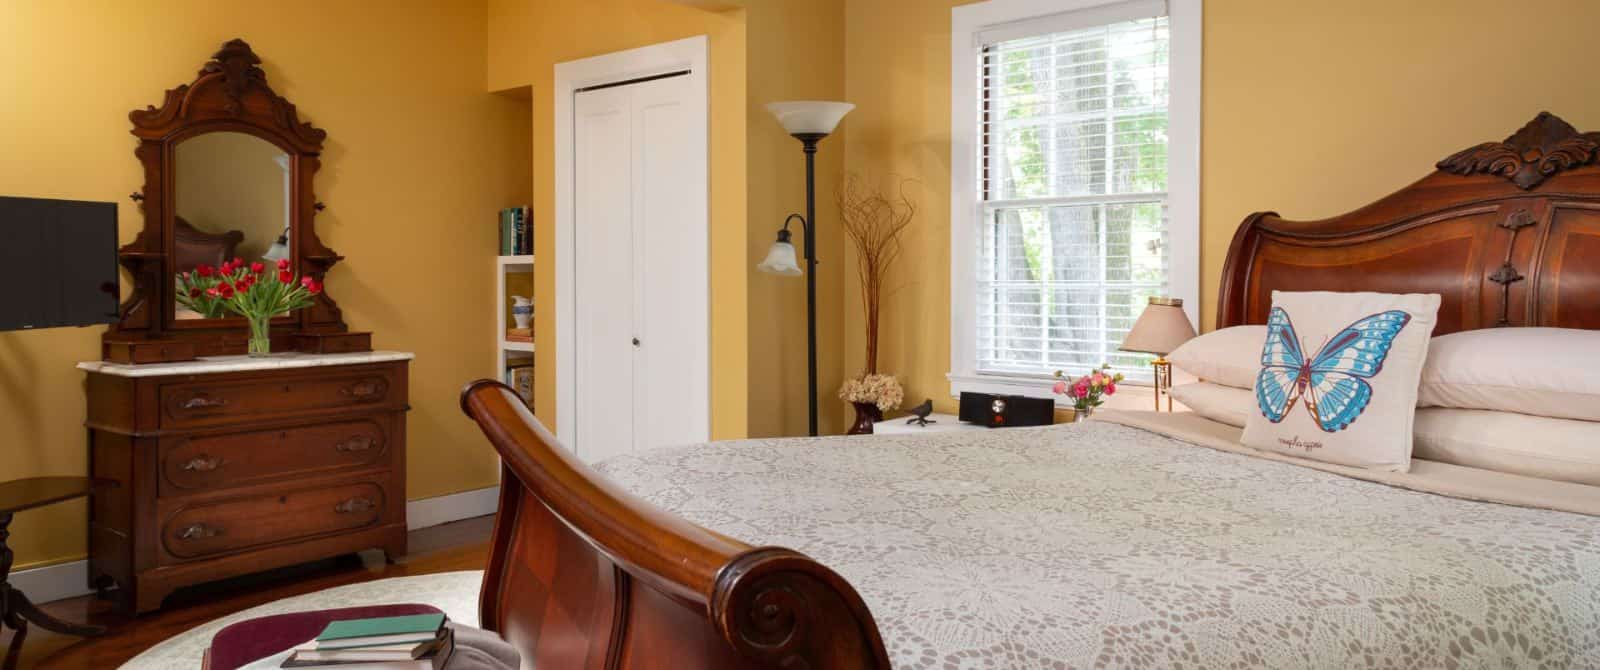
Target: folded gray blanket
[478, 649]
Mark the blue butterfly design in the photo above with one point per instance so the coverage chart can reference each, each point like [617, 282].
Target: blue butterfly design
[1333, 383]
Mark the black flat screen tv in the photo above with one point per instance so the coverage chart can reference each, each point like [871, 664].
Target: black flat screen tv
[58, 263]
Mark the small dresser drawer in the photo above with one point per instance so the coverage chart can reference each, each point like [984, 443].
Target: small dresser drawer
[210, 529]
[196, 404]
[207, 462]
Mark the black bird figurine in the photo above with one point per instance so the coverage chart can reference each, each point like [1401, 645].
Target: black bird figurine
[920, 413]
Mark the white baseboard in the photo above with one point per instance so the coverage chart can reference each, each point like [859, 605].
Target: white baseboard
[454, 507]
[70, 580]
[53, 582]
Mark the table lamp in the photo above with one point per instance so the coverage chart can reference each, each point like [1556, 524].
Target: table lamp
[1160, 329]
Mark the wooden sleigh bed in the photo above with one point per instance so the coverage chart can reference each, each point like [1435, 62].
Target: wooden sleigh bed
[585, 575]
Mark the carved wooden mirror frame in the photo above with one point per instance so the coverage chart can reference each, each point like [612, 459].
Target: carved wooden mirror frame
[230, 93]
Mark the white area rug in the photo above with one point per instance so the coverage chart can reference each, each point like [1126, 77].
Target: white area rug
[454, 592]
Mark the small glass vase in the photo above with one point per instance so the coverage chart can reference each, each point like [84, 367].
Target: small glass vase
[1080, 414]
[260, 336]
[866, 414]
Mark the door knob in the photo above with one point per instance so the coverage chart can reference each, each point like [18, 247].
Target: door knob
[636, 341]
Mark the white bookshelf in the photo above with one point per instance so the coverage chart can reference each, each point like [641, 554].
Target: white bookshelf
[507, 352]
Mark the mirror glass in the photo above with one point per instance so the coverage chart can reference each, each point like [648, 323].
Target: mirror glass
[232, 201]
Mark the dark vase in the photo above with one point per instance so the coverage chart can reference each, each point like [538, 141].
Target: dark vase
[866, 414]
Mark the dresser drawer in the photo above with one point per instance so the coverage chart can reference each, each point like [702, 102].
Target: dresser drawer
[193, 464]
[210, 529]
[210, 403]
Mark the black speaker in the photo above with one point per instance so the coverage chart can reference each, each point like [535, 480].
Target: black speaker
[999, 411]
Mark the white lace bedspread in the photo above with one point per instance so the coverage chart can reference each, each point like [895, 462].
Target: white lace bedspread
[1103, 545]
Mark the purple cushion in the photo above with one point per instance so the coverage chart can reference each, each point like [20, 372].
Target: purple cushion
[247, 641]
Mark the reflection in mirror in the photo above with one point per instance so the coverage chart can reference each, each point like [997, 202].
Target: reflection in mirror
[232, 201]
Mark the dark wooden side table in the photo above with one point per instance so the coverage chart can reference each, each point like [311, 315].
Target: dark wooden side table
[15, 609]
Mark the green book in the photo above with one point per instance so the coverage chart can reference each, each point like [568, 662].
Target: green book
[508, 233]
[380, 630]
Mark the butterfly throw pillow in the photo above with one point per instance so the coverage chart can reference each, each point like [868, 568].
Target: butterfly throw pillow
[1339, 375]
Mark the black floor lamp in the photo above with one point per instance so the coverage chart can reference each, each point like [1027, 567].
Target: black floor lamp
[808, 121]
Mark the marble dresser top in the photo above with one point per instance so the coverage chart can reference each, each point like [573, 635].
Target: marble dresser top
[215, 364]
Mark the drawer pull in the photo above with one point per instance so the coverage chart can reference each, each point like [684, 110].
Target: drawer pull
[354, 505]
[357, 443]
[201, 463]
[199, 531]
[203, 402]
[366, 389]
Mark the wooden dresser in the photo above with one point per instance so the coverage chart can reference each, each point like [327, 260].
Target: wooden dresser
[232, 465]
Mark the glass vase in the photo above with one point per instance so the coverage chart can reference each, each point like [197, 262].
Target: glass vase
[866, 414]
[1080, 414]
[260, 336]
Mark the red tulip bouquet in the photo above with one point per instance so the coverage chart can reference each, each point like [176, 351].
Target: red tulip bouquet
[251, 292]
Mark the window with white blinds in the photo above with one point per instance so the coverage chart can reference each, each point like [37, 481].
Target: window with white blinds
[1071, 193]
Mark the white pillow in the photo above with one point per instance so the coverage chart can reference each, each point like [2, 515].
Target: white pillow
[1339, 377]
[1228, 356]
[1536, 446]
[1223, 404]
[1544, 371]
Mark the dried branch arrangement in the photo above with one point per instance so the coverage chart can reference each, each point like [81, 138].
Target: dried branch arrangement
[875, 223]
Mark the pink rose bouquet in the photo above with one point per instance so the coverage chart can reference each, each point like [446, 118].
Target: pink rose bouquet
[1087, 392]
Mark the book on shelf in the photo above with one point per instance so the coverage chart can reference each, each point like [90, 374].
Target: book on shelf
[508, 234]
[516, 231]
[520, 378]
[524, 232]
[414, 642]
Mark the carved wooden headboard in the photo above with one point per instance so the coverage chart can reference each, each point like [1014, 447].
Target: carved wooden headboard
[1508, 233]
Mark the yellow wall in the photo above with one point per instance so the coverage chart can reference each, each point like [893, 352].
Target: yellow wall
[1309, 109]
[526, 39]
[897, 72]
[796, 53]
[1314, 109]
[418, 160]
[760, 52]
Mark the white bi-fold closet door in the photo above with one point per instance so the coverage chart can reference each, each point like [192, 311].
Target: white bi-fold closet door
[640, 238]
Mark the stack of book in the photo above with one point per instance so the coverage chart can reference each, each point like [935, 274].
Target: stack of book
[413, 642]
[516, 231]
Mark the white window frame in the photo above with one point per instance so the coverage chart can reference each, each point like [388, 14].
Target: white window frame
[1183, 171]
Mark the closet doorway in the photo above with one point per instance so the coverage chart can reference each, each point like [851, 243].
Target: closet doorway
[632, 237]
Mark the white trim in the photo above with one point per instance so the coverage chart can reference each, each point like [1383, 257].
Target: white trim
[53, 582]
[50, 583]
[504, 265]
[1183, 153]
[433, 511]
[690, 54]
[1183, 164]
[1100, 14]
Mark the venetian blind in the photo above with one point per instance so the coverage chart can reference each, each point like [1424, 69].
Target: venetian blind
[1072, 184]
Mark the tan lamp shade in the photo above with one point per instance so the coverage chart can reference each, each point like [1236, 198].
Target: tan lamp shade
[1160, 329]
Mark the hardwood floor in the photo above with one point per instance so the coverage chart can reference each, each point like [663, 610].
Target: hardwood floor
[460, 545]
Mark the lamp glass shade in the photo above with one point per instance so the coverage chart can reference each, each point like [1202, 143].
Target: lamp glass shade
[1161, 328]
[279, 249]
[780, 260]
[813, 117]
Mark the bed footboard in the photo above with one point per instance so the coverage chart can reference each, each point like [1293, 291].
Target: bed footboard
[582, 574]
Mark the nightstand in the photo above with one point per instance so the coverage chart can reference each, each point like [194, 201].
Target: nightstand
[938, 423]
